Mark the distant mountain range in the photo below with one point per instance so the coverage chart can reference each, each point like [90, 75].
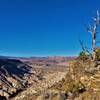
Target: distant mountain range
[41, 59]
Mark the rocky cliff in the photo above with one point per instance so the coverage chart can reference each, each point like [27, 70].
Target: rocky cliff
[12, 76]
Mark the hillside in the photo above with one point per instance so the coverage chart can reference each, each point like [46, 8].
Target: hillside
[12, 76]
[82, 82]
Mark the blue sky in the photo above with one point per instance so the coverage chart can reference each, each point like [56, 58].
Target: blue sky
[45, 27]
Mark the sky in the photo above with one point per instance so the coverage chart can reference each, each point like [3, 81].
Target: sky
[45, 27]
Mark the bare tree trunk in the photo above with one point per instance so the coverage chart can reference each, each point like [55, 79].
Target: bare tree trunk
[93, 45]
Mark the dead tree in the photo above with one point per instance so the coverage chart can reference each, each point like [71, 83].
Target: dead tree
[93, 30]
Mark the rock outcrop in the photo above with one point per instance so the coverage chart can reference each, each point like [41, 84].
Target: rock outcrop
[12, 74]
[82, 81]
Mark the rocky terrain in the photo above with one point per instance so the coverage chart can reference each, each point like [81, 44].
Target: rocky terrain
[78, 79]
[47, 77]
[82, 82]
[12, 76]
[20, 77]
[35, 90]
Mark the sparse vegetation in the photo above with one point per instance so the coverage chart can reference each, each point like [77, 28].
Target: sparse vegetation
[83, 56]
[98, 54]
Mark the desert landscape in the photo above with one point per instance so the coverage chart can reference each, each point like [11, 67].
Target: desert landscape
[21, 77]
[49, 49]
[50, 78]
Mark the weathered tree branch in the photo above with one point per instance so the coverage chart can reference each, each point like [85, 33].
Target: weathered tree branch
[93, 30]
[84, 48]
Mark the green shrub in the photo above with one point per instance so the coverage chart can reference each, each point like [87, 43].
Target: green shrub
[98, 54]
[83, 56]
